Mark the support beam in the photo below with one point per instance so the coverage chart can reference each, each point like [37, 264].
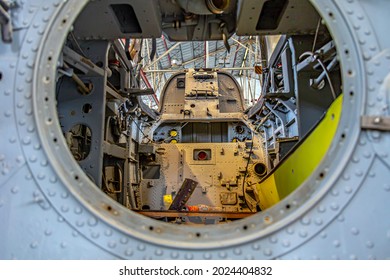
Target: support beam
[207, 64]
[177, 70]
[146, 81]
[163, 55]
[242, 45]
[166, 49]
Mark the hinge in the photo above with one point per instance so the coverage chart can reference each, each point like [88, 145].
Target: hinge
[375, 123]
[5, 21]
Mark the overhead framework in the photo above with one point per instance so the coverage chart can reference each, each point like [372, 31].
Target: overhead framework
[170, 57]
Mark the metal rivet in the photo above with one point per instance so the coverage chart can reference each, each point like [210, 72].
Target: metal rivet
[26, 140]
[33, 158]
[237, 251]
[346, 177]
[19, 159]
[318, 221]
[268, 252]
[129, 252]
[355, 231]
[355, 159]
[377, 120]
[376, 134]
[34, 245]
[359, 173]
[367, 154]
[15, 190]
[334, 206]
[290, 230]
[370, 244]
[52, 193]
[321, 209]
[305, 221]
[141, 247]
[22, 122]
[303, 233]
[31, 129]
[5, 171]
[92, 222]
[80, 223]
[273, 239]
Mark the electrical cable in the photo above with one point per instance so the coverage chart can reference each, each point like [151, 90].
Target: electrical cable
[316, 35]
[77, 44]
[328, 77]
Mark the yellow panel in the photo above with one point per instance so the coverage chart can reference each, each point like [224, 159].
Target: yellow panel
[301, 163]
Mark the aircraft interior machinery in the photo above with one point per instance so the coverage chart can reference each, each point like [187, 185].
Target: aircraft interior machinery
[95, 163]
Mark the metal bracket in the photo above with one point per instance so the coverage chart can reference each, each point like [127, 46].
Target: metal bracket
[83, 64]
[375, 123]
[183, 195]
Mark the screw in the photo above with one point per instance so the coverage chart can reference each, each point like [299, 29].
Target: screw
[377, 120]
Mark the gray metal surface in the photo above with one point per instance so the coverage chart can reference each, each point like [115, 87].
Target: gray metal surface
[147, 18]
[50, 209]
[293, 16]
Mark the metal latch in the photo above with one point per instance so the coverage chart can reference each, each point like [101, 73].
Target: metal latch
[5, 21]
[376, 123]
